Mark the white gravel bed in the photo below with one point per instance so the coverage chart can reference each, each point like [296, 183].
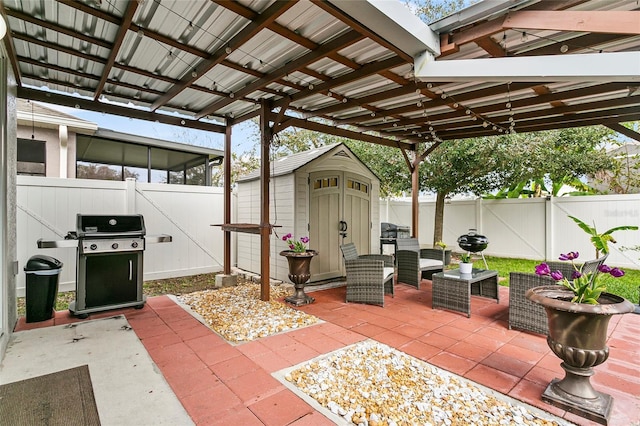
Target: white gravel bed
[372, 384]
[238, 314]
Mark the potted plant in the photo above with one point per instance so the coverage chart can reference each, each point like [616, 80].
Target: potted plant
[299, 259]
[466, 267]
[578, 312]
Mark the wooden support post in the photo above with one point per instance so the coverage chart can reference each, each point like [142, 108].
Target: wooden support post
[415, 190]
[227, 199]
[265, 247]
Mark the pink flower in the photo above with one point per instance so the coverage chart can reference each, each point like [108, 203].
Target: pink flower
[543, 269]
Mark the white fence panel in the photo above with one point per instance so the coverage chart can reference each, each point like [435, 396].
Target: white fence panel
[531, 228]
[47, 209]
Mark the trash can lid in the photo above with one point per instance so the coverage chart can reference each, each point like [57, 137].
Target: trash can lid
[42, 263]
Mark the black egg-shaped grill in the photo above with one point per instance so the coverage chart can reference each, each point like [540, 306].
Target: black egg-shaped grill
[473, 242]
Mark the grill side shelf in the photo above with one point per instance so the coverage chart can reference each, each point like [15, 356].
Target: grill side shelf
[57, 244]
[162, 238]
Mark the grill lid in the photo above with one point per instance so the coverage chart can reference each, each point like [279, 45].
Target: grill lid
[110, 225]
[472, 241]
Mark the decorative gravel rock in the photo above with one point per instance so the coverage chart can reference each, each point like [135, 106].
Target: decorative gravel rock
[372, 384]
[238, 314]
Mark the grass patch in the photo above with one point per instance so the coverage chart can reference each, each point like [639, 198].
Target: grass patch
[626, 286]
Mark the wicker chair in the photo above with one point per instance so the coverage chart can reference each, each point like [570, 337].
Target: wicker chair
[369, 276]
[415, 263]
[529, 316]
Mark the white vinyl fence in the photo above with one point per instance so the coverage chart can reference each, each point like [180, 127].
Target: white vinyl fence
[534, 228]
[531, 228]
[47, 209]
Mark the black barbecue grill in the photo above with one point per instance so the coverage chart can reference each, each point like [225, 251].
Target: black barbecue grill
[390, 232]
[109, 272]
[473, 242]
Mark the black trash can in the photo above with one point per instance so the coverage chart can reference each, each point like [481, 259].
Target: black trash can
[42, 287]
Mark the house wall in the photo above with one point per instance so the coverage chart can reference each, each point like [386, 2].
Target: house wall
[8, 234]
[53, 145]
[47, 209]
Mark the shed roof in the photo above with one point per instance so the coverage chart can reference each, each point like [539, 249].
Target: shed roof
[289, 164]
[365, 69]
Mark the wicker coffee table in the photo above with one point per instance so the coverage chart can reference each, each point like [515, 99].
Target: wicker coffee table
[453, 290]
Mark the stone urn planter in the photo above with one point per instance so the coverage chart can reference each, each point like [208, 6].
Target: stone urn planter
[299, 274]
[577, 335]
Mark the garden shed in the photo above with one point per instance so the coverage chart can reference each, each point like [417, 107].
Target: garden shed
[327, 194]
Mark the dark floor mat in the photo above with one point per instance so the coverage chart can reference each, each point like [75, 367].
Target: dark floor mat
[61, 398]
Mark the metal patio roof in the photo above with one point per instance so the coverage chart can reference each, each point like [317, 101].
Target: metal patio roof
[337, 66]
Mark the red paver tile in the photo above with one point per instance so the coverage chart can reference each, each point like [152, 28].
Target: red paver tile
[325, 345]
[452, 332]
[392, 339]
[313, 419]
[470, 324]
[420, 350]
[254, 386]
[348, 337]
[605, 382]
[296, 353]
[159, 301]
[533, 342]
[452, 363]
[234, 367]
[217, 354]
[344, 320]
[185, 384]
[278, 341]
[23, 325]
[280, 409]
[369, 330]
[253, 349]
[497, 380]
[518, 352]
[210, 402]
[148, 330]
[271, 362]
[531, 393]
[498, 334]
[507, 364]
[438, 340]
[411, 330]
[484, 342]
[470, 351]
[541, 376]
[206, 342]
[160, 341]
[234, 416]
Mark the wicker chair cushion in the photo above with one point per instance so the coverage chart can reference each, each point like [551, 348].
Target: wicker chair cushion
[430, 264]
[388, 272]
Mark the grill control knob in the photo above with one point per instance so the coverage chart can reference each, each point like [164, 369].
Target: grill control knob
[134, 244]
[93, 246]
[114, 246]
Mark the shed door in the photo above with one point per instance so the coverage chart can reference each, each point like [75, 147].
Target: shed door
[336, 197]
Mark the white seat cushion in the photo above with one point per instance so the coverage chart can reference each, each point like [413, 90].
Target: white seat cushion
[430, 264]
[387, 272]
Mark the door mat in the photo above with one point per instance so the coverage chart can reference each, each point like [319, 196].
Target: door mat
[61, 398]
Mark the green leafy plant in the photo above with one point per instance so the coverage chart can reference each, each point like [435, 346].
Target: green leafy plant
[601, 241]
[586, 287]
[465, 258]
[441, 244]
[298, 246]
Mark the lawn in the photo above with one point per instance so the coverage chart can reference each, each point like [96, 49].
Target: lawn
[626, 286]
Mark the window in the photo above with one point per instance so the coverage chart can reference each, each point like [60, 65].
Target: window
[31, 157]
[357, 186]
[331, 182]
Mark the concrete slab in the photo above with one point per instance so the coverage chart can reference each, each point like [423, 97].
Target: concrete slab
[128, 386]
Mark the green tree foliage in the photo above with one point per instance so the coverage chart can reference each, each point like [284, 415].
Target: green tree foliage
[624, 175]
[554, 159]
[431, 10]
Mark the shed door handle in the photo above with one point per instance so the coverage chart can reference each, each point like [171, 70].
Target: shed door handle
[130, 270]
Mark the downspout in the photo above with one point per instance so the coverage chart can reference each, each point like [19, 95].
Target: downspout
[63, 135]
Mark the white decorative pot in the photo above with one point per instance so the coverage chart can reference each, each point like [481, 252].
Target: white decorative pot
[466, 268]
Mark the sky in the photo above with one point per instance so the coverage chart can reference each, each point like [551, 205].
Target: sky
[242, 135]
